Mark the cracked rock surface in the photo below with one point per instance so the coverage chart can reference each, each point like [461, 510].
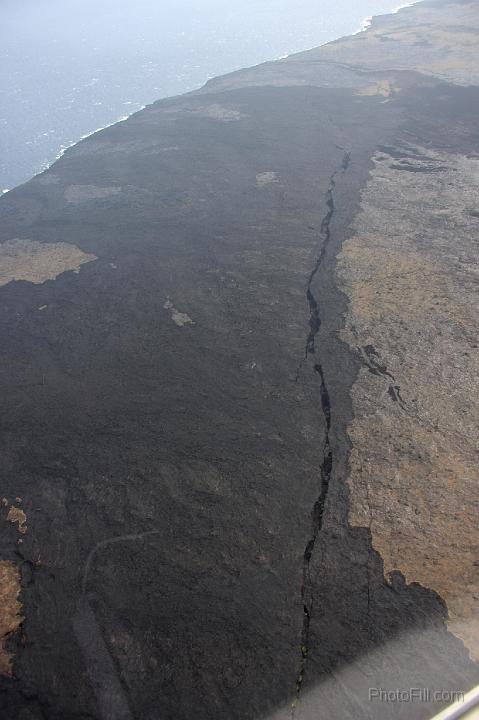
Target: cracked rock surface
[240, 441]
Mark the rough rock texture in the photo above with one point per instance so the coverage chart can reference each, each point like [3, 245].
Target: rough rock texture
[233, 433]
[36, 262]
[413, 318]
[10, 617]
[10, 585]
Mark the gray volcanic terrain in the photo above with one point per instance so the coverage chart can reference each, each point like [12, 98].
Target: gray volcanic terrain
[239, 394]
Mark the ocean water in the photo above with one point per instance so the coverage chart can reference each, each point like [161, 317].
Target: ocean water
[69, 67]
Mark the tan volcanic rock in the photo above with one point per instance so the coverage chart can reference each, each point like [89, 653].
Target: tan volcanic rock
[413, 314]
[35, 262]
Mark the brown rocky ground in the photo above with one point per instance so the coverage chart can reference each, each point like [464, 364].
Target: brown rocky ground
[413, 317]
[35, 262]
[10, 616]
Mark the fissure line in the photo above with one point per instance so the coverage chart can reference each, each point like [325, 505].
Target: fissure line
[307, 592]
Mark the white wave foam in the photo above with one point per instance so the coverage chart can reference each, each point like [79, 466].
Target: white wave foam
[64, 148]
[367, 22]
[364, 24]
[405, 5]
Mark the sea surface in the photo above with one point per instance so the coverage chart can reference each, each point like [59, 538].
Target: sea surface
[70, 67]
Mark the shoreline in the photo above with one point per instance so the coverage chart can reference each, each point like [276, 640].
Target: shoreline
[369, 19]
[364, 26]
